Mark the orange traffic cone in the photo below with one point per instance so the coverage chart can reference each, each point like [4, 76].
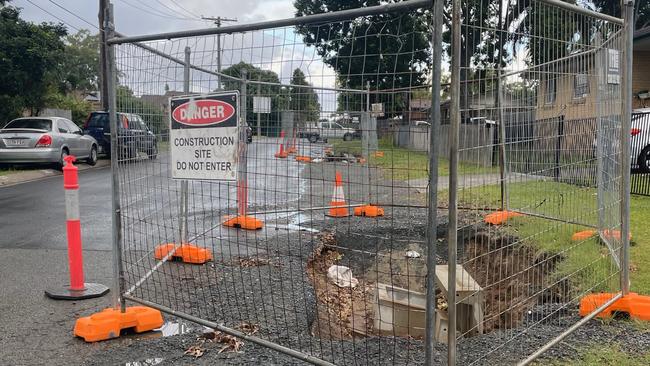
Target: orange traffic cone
[282, 153]
[337, 205]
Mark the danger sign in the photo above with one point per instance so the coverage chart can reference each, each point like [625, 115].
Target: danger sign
[204, 136]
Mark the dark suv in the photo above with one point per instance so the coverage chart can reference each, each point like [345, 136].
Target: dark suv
[133, 134]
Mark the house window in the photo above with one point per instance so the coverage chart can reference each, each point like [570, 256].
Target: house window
[549, 97]
[581, 86]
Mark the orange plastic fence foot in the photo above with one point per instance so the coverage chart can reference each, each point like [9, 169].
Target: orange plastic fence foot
[303, 159]
[187, 253]
[368, 211]
[615, 234]
[281, 154]
[500, 217]
[109, 323]
[635, 305]
[379, 154]
[292, 150]
[583, 235]
[337, 210]
[244, 222]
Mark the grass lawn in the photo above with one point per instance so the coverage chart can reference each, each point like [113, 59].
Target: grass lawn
[605, 355]
[587, 264]
[404, 164]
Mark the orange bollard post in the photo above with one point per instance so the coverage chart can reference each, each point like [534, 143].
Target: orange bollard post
[78, 289]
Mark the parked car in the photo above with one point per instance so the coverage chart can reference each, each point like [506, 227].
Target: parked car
[640, 139]
[324, 130]
[45, 140]
[422, 123]
[134, 134]
[249, 133]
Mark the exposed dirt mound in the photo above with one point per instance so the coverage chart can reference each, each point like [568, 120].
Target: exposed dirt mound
[513, 275]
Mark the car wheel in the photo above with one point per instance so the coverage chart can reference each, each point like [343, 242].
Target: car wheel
[313, 139]
[347, 137]
[61, 162]
[92, 157]
[153, 152]
[644, 160]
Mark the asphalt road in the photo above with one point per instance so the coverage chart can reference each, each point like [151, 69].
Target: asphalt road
[32, 214]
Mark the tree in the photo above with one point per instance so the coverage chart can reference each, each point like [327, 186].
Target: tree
[613, 7]
[30, 58]
[383, 52]
[304, 100]
[81, 63]
[278, 95]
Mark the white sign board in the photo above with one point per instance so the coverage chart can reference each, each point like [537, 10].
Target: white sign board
[613, 67]
[261, 105]
[377, 109]
[204, 136]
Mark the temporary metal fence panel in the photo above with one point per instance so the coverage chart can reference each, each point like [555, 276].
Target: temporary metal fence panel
[559, 173]
[540, 137]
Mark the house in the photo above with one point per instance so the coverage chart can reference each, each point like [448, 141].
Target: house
[569, 87]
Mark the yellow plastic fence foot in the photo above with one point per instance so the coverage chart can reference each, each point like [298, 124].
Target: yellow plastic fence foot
[109, 323]
[244, 222]
[187, 253]
[635, 305]
[500, 217]
[368, 211]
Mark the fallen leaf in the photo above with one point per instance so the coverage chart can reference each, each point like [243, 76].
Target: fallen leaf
[248, 328]
[195, 351]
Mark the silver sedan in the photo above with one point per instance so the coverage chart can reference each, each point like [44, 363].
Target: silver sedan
[45, 140]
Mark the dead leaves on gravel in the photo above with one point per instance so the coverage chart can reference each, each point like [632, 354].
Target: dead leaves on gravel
[229, 342]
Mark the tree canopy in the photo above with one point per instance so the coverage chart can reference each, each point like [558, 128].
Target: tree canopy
[28, 52]
[385, 51]
[304, 100]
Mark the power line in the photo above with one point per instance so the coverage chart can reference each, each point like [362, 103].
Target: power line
[158, 13]
[54, 16]
[170, 8]
[183, 8]
[74, 15]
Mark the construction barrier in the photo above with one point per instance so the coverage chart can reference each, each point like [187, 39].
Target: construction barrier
[479, 244]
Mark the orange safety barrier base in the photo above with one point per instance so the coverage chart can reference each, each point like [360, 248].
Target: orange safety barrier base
[637, 306]
[292, 150]
[187, 253]
[368, 211]
[379, 154]
[303, 159]
[338, 209]
[282, 154]
[586, 234]
[109, 323]
[583, 235]
[244, 222]
[500, 217]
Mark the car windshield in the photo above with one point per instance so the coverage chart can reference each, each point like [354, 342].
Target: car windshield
[37, 124]
[98, 120]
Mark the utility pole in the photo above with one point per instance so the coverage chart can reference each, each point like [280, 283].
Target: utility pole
[103, 88]
[217, 21]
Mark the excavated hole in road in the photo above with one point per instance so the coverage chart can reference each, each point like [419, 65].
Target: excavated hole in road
[507, 270]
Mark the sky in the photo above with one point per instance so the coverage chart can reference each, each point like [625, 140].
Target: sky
[278, 50]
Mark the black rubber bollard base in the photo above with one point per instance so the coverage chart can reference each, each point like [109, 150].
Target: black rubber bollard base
[65, 293]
